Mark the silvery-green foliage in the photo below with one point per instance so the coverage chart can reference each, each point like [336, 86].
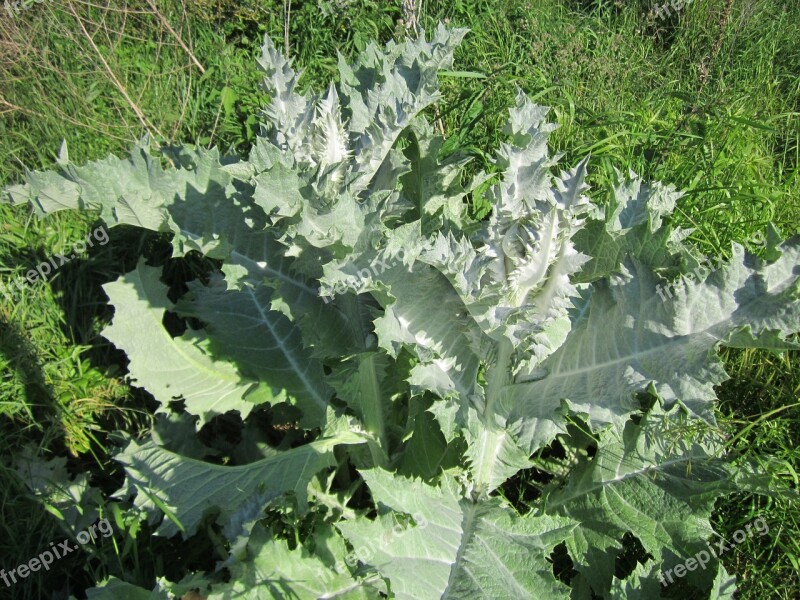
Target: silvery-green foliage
[434, 354]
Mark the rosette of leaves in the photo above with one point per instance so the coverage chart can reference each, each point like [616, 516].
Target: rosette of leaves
[432, 359]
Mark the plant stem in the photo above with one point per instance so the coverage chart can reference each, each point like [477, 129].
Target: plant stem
[491, 438]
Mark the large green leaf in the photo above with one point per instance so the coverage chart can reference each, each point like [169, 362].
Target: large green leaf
[174, 368]
[188, 489]
[273, 571]
[633, 336]
[263, 343]
[431, 543]
[657, 480]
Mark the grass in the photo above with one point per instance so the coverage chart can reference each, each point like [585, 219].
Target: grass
[760, 405]
[627, 89]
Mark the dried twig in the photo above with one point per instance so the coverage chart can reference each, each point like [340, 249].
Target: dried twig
[7, 107]
[174, 33]
[139, 114]
[411, 16]
[705, 66]
[188, 93]
[287, 15]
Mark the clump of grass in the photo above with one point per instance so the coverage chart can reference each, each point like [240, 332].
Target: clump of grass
[760, 405]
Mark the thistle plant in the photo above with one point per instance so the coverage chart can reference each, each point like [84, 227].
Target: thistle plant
[431, 361]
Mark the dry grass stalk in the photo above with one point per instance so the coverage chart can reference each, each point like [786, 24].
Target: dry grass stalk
[169, 28]
[148, 126]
